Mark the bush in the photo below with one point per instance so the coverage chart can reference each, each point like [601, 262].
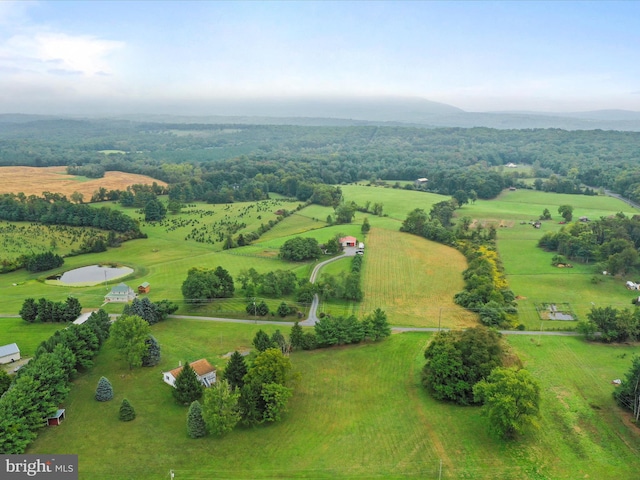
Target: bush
[104, 390]
[127, 413]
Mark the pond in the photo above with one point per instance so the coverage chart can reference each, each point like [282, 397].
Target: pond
[91, 275]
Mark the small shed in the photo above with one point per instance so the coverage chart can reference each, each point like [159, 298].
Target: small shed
[421, 181]
[57, 418]
[144, 287]
[9, 353]
[121, 293]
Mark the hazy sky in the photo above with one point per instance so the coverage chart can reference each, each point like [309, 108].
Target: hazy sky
[76, 56]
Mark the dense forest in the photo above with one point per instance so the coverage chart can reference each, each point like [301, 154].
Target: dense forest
[223, 163]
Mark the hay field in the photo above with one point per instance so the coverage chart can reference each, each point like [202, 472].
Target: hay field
[35, 180]
[413, 280]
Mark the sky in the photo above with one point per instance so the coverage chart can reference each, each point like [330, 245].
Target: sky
[159, 56]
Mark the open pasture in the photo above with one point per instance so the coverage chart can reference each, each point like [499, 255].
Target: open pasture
[528, 268]
[35, 180]
[397, 203]
[27, 335]
[413, 280]
[338, 425]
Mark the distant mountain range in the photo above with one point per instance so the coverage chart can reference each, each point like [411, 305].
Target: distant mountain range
[362, 111]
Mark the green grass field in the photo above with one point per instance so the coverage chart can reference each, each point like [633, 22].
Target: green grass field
[357, 412]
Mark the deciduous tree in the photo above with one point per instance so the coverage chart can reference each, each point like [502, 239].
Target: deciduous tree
[129, 334]
[511, 401]
[220, 408]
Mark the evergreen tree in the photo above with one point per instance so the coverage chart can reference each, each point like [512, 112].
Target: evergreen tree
[126, 413]
[296, 336]
[29, 310]
[365, 226]
[5, 381]
[104, 391]
[378, 325]
[235, 371]
[283, 310]
[262, 341]
[152, 357]
[188, 387]
[278, 340]
[72, 309]
[196, 427]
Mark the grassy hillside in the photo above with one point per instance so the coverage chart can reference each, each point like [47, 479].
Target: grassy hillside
[358, 412]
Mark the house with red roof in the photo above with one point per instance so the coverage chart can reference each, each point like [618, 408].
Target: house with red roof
[204, 370]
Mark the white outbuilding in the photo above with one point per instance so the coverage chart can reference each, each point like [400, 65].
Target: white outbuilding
[9, 353]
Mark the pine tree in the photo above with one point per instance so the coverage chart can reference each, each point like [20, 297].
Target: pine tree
[379, 326]
[127, 413]
[152, 357]
[296, 336]
[196, 428]
[262, 341]
[29, 310]
[188, 387]
[235, 371]
[104, 391]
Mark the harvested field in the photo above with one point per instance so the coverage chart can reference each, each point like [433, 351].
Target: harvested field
[413, 280]
[35, 180]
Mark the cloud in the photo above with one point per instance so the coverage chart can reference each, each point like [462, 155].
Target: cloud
[84, 54]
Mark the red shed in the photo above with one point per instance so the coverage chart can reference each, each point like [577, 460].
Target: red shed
[57, 418]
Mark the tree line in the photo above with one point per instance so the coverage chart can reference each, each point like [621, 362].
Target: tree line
[42, 384]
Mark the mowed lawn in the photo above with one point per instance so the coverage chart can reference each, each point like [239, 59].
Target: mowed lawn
[357, 412]
[413, 280]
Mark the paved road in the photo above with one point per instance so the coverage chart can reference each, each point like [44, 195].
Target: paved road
[395, 329]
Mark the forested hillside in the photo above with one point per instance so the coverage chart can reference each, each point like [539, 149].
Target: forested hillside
[252, 160]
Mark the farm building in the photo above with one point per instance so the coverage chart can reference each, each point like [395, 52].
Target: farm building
[144, 287]
[9, 353]
[584, 219]
[421, 181]
[348, 241]
[511, 165]
[121, 293]
[204, 370]
[57, 418]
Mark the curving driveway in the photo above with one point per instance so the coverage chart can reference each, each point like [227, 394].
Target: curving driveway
[312, 318]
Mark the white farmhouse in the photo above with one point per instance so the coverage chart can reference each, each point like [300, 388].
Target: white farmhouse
[204, 370]
[121, 293]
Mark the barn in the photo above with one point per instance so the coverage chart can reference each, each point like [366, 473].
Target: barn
[144, 287]
[9, 353]
[348, 241]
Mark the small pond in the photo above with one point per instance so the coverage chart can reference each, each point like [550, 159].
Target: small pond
[91, 275]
